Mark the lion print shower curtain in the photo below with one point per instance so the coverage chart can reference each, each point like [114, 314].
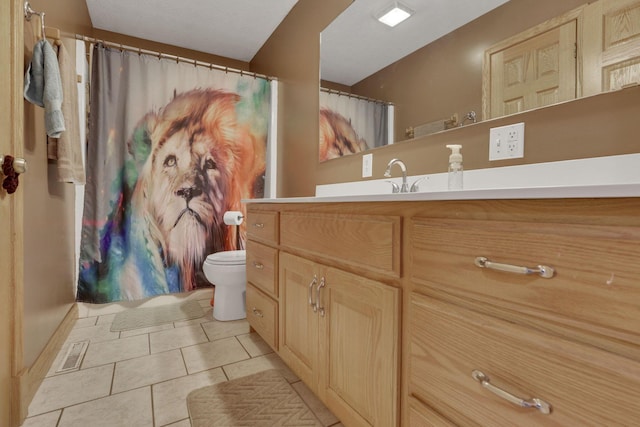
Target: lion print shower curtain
[172, 146]
[349, 124]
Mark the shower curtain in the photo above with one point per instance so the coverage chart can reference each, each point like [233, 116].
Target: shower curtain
[172, 146]
[349, 124]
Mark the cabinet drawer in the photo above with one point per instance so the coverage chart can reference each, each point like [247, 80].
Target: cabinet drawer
[585, 386]
[595, 286]
[262, 267]
[369, 242]
[262, 315]
[262, 226]
[422, 416]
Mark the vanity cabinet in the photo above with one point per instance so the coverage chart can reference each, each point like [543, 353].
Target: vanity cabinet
[339, 329]
[502, 308]
[419, 313]
[340, 333]
[262, 275]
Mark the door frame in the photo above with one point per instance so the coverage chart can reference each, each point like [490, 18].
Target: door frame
[12, 411]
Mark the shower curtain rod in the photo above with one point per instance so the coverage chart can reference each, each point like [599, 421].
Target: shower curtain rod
[176, 58]
[351, 95]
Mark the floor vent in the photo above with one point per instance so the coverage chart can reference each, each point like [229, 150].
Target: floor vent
[73, 358]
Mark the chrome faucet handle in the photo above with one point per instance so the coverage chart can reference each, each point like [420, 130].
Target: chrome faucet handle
[395, 188]
[415, 187]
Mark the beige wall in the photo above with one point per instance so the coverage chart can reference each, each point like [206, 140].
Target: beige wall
[292, 54]
[445, 77]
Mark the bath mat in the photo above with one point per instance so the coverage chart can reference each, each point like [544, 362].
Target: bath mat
[264, 399]
[151, 316]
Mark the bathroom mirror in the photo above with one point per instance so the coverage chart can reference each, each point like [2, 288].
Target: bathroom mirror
[435, 81]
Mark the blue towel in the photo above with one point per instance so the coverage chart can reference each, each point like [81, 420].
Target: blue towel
[43, 87]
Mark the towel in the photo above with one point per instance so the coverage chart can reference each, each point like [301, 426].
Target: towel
[67, 149]
[42, 86]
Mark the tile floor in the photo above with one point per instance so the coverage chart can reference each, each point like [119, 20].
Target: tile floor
[141, 377]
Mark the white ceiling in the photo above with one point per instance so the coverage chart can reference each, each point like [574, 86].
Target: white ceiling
[354, 46]
[231, 28]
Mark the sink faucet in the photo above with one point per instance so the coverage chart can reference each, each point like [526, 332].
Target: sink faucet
[403, 168]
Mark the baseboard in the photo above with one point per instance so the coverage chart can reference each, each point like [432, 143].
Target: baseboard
[32, 377]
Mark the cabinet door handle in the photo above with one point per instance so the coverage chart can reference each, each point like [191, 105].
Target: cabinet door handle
[313, 305]
[536, 403]
[257, 312]
[258, 265]
[318, 300]
[543, 271]
[258, 225]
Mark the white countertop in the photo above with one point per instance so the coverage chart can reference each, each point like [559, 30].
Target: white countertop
[591, 191]
[600, 177]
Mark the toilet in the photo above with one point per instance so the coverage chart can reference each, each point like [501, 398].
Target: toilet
[226, 271]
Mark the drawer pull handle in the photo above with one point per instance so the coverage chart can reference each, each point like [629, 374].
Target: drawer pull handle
[536, 403]
[318, 289]
[543, 271]
[313, 305]
[258, 265]
[258, 225]
[257, 312]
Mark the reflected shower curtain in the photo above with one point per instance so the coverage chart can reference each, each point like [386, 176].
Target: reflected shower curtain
[350, 124]
[172, 147]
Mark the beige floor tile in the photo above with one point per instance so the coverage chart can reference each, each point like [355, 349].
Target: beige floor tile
[217, 330]
[318, 408]
[45, 420]
[147, 370]
[183, 423]
[202, 357]
[205, 303]
[148, 330]
[208, 317]
[102, 309]
[106, 319]
[176, 338]
[84, 322]
[102, 353]
[96, 333]
[254, 345]
[132, 408]
[170, 397]
[69, 389]
[259, 364]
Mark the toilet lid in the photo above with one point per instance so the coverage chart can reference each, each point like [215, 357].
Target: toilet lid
[227, 258]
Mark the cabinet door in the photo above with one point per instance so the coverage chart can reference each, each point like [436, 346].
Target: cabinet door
[298, 322]
[359, 342]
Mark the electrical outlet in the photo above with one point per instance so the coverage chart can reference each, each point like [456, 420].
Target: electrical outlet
[506, 142]
[367, 165]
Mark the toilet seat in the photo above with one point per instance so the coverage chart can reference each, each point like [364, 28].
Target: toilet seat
[227, 258]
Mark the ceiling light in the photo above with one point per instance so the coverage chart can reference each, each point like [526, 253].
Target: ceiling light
[394, 14]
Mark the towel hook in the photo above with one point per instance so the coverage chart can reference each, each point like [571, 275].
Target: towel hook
[29, 12]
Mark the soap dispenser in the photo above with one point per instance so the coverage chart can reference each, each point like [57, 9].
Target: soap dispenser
[455, 167]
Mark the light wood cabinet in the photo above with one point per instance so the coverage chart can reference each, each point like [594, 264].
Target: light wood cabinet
[395, 341]
[340, 333]
[262, 275]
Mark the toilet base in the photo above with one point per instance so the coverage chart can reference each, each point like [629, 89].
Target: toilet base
[229, 303]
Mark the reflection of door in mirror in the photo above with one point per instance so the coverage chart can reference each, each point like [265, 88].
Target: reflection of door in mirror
[612, 45]
[535, 68]
[350, 124]
[592, 49]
